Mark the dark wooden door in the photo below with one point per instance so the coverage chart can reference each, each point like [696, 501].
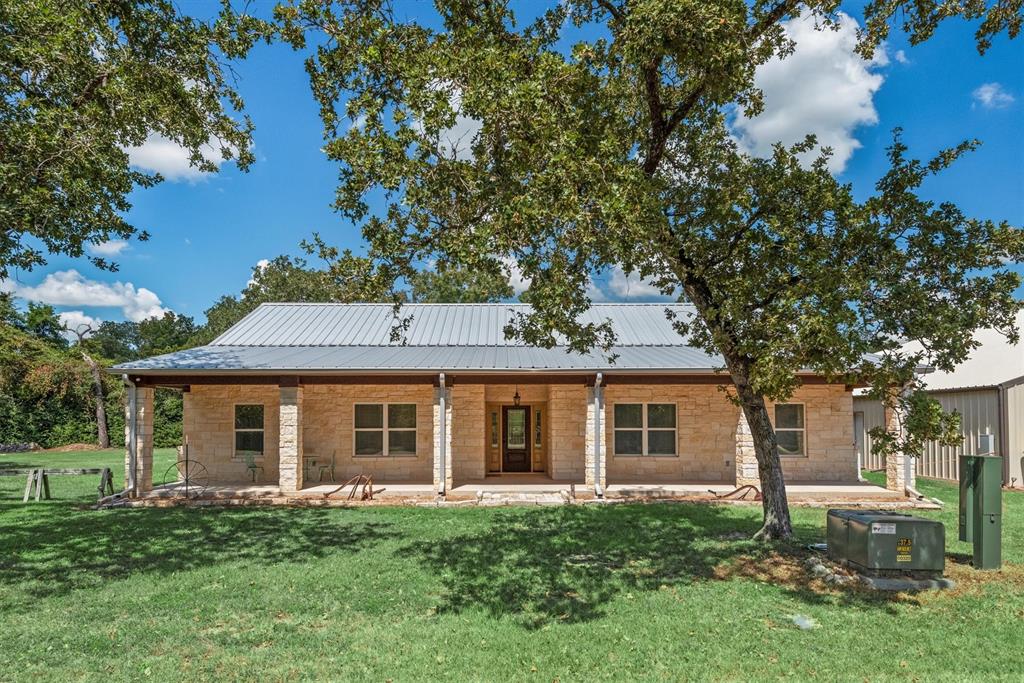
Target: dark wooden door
[515, 439]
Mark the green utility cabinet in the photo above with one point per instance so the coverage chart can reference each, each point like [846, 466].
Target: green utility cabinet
[878, 540]
[981, 508]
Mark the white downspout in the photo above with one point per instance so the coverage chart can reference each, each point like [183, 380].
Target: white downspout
[132, 419]
[598, 410]
[443, 434]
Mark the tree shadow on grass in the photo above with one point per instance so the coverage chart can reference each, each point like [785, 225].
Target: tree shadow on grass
[51, 550]
[564, 564]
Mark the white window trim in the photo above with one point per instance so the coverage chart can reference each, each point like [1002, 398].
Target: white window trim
[235, 456]
[644, 430]
[384, 429]
[803, 410]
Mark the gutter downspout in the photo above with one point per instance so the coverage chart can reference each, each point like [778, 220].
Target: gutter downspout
[443, 435]
[132, 442]
[598, 410]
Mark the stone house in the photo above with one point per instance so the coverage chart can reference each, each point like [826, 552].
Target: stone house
[296, 395]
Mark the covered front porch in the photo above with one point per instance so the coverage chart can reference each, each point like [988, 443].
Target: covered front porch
[462, 436]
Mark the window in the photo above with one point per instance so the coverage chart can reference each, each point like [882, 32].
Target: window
[789, 429]
[645, 428]
[248, 431]
[385, 429]
[536, 428]
[494, 430]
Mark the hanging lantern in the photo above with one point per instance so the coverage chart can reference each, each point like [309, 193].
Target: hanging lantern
[516, 398]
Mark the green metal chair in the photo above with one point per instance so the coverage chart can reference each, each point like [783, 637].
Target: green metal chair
[252, 466]
[329, 468]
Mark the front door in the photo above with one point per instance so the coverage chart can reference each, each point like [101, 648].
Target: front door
[516, 439]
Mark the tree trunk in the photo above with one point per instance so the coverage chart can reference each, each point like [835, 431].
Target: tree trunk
[777, 523]
[766, 449]
[101, 409]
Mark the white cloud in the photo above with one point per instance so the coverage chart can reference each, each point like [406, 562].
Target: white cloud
[824, 88]
[108, 248]
[515, 275]
[457, 140]
[901, 57]
[261, 265]
[992, 96]
[77, 321]
[166, 157]
[71, 288]
[632, 286]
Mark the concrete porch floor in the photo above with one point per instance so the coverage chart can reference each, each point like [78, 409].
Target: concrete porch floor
[522, 486]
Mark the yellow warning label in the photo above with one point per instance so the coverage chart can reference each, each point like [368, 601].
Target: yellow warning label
[904, 550]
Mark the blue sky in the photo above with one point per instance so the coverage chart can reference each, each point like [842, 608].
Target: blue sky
[208, 232]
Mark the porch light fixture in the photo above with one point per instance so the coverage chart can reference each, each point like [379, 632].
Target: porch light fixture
[516, 397]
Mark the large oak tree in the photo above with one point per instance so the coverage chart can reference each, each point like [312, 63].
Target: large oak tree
[616, 150]
[81, 81]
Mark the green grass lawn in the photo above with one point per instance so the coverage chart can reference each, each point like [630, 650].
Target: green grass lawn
[652, 592]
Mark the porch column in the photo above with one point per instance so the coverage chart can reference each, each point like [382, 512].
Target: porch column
[138, 439]
[747, 472]
[290, 440]
[899, 466]
[442, 438]
[595, 462]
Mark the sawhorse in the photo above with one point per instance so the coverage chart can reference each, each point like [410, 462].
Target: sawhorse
[41, 481]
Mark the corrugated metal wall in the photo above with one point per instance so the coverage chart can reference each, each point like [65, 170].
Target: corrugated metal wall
[1014, 397]
[979, 414]
[874, 416]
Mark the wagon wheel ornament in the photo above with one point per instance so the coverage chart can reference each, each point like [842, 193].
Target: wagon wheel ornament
[187, 478]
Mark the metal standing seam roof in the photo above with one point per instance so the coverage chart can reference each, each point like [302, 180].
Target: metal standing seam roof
[452, 337]
[433, 325]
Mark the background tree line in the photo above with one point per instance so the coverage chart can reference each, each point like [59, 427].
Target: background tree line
[54, 385]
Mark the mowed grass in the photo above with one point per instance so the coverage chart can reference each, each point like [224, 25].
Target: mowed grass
[649, 592]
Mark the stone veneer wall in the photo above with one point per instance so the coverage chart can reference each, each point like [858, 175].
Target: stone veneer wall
[144, 475]
[208, 423]
[329, 419]
[706, 424]
[567, 423]
[469, 433]
[706, 431]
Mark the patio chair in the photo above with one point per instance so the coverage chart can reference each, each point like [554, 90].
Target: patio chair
[329, 467]
[253, 467]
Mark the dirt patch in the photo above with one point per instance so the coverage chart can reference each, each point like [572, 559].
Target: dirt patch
[71, 448]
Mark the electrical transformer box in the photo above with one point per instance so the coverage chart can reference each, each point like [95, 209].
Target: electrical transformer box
[879, 540]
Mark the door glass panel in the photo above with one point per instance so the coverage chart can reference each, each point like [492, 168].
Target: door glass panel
[516, 428]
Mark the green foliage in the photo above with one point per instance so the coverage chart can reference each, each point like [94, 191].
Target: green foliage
[81, 81]
[447, 284]
[617, 152]
[920, 18]
[44, 392]
[42, 321]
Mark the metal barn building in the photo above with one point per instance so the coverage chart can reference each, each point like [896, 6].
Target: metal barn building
[988, 392]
